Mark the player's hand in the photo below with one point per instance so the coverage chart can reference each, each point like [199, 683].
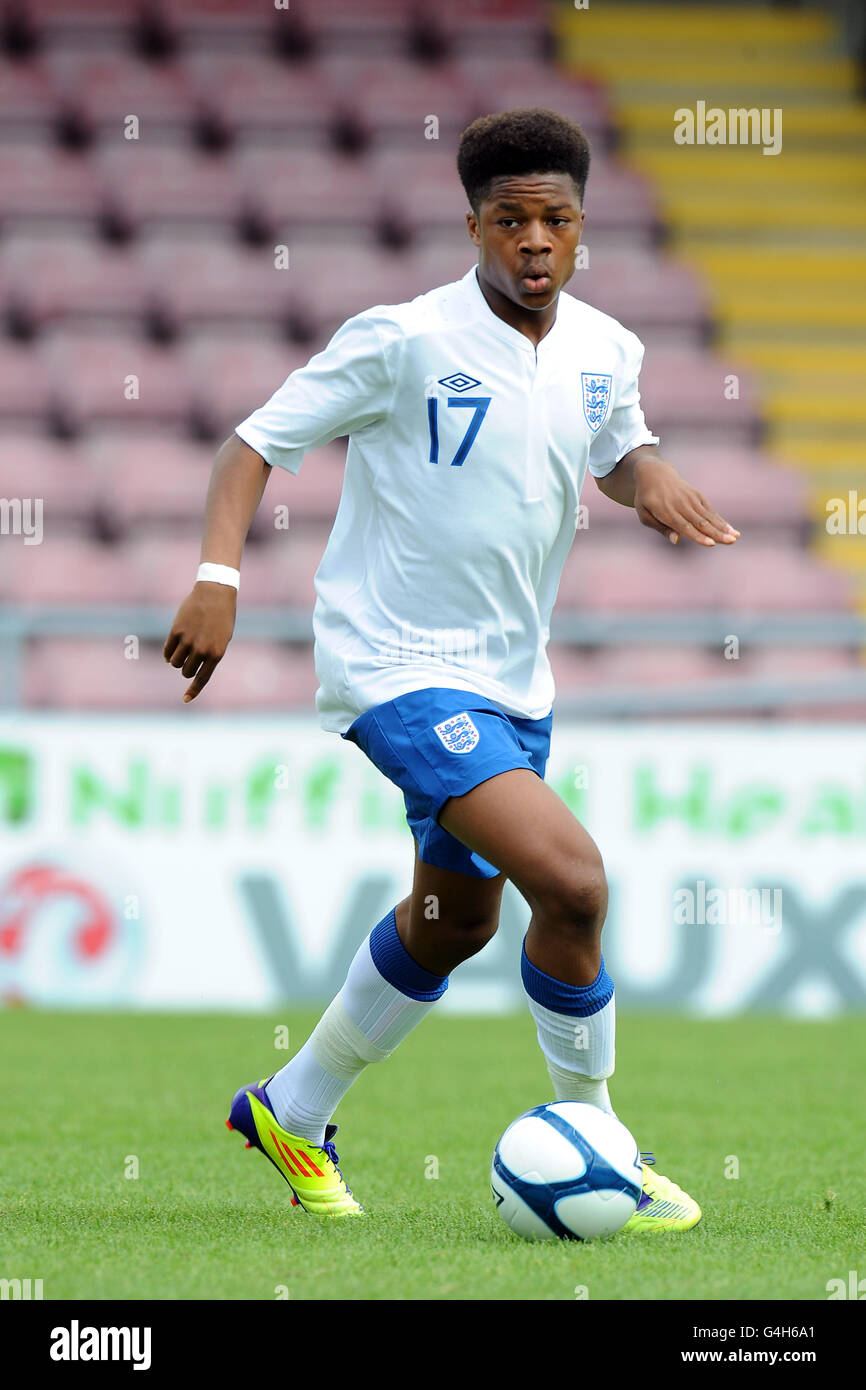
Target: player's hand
[201, 632]
[667, 503]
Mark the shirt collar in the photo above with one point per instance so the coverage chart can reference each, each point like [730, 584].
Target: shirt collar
[499, 326]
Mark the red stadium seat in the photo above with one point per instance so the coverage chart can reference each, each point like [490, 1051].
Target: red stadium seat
[777, 663]
[204, 279]
[257, 93]
[149, 185]
[651, 293]
[683, 388]
[26, 387]
[200, 23]
[71, 673]
[741, 484]
[296, 187]
[503, 83]
[658, 664]
[61, 474]
[645, 574]
[395, 99]
[279, 572]
[83, 12]
[94, 673]
[39, 181]
[97, 375]
[423, 186]
[149, 476]
[63, 570]
[358, 276]
[105, 88]
[28, 97]
[232, 375]
[255, 675]
[53, 277]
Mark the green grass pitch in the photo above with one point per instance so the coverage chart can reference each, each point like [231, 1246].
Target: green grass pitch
[86, 1096]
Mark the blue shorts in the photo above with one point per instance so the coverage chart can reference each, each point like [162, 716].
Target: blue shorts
[437, 743]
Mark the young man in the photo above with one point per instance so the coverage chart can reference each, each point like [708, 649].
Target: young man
[473, 413]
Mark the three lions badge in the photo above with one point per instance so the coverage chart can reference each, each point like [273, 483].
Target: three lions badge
[596, 389]
[458, 734]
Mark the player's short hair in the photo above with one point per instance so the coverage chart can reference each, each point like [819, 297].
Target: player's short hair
[527, 140]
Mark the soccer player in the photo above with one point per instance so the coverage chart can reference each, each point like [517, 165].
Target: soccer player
[473, 413]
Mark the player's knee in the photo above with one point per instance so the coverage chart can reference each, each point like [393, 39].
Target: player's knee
[471, 936]
[574, 898]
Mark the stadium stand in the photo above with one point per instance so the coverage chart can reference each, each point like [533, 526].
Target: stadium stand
[143, 317]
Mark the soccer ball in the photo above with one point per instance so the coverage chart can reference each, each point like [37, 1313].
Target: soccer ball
[568, 1170]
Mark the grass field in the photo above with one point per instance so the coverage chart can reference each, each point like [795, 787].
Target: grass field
[84, 1095]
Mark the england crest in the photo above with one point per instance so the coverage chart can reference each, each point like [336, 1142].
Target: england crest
[458, 733]
[596, 398]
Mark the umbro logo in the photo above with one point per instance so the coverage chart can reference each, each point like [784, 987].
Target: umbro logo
[459, 382]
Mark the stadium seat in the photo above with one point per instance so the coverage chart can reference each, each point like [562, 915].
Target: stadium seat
[94, 673]
[109, 376]
[91, 18]
[105, 88]
[27, 391]
[53, 278]
[255, 93]
[423, 187]
[576, 668]
[204, 279]
[277, 573]
[645, 573]
[72, 673]
[688, 389]
[294, 186]
[38, 181]
[231, 374]
[60, 473]
[148, 185]
[148, 476]
[741, 484]
[505, 82]
[62, 570]
[654, 294]
[395, 100]
[256, 675]
[29, 102]
[358, 276]
[225, 25]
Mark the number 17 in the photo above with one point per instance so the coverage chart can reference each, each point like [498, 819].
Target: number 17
[477, 403]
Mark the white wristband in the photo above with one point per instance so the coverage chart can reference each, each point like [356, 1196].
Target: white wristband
[219, 574]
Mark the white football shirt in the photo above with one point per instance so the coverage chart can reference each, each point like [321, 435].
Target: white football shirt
[467, 451]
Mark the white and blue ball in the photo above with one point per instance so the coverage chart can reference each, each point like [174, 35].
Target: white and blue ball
[568, 1170]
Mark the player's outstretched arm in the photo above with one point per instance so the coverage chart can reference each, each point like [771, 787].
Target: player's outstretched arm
[205, 621]
[663, 500]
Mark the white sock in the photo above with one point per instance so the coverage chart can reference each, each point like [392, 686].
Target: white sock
[385, 996]
[578, 1047]
[570, 1043]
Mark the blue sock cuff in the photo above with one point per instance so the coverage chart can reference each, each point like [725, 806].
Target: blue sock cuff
[395, 965]
[578, 1000]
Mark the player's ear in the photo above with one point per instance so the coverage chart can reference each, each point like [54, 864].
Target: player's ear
[472, 225]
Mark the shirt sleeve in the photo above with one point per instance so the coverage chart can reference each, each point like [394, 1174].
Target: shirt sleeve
[346, 387]
[625, 427]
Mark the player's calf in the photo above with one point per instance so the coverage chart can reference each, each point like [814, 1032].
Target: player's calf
[568, 912]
